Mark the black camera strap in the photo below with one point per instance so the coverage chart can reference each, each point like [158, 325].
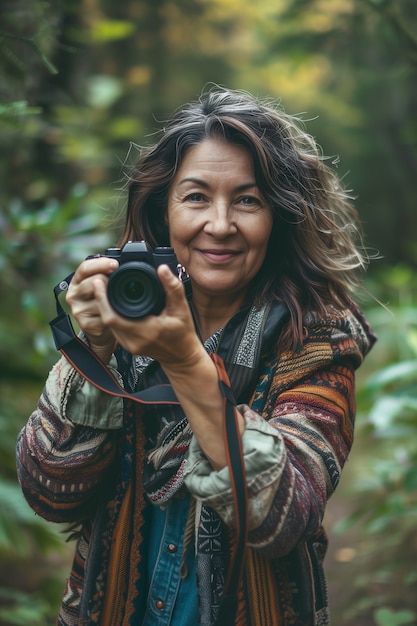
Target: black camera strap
[86, 362]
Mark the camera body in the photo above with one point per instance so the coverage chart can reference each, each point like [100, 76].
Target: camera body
[134, 289]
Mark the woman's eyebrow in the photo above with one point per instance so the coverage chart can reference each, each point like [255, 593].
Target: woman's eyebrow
[203, 183]
[195, 181]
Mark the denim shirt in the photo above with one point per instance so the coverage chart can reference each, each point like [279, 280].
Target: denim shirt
[172, 600]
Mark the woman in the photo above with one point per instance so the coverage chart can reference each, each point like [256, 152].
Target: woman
[267, 236]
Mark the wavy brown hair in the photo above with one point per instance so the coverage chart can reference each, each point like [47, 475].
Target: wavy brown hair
[314, 252]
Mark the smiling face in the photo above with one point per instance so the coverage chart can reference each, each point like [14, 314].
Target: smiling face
[219, 222]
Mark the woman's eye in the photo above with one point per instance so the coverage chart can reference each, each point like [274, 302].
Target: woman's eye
[195, 197]
[249, 201]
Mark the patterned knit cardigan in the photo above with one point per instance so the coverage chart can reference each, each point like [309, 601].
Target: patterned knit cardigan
[69, 475]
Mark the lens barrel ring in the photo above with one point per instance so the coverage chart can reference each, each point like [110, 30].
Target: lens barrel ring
[134, 290]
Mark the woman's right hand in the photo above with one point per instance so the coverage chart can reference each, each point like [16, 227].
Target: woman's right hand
[84, 306]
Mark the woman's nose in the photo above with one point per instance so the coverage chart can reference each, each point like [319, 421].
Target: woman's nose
[220, 221]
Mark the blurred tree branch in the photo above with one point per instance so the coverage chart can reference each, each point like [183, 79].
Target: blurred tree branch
[29, 30]
[390, 11]
[32, 43]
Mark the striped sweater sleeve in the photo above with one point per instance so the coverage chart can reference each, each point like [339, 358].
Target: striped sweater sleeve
[295, 446]
[314, 423]
[61, 461]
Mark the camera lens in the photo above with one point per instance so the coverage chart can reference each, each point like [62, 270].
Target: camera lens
[134, 290]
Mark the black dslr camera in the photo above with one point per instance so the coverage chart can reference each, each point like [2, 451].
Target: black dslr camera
[134, 289]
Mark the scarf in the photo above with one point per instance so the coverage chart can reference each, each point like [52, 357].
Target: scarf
[157, 440]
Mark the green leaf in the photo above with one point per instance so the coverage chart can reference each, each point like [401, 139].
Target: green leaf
[388, 617]
[394, 411]
[412, 340]
[410, 479]
[11, 113]
[103, 91]
[18, 521]
[110, 30]
[20, 609]
[398, 372]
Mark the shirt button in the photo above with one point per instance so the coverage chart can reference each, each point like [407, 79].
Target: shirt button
[160, 604]
[172, 548]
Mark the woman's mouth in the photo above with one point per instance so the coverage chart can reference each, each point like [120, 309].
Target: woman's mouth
[219, 256]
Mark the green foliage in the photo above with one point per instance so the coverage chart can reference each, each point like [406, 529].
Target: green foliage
[27, 39]
[13, 112]
[31, 550]
[19, 528]
[389, 489]
[386, 617]
[37, 250]
[19, 609]
[384, 485]
[110, 30]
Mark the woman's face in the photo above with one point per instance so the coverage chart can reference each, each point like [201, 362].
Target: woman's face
[218, 220]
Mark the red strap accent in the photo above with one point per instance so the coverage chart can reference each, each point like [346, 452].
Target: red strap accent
[221, 370]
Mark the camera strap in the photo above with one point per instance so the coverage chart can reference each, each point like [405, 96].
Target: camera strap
[85, 361]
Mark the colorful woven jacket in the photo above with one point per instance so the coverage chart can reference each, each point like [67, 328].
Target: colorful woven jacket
[299, 431]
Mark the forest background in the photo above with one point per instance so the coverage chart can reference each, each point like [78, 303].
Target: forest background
[83, 83]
